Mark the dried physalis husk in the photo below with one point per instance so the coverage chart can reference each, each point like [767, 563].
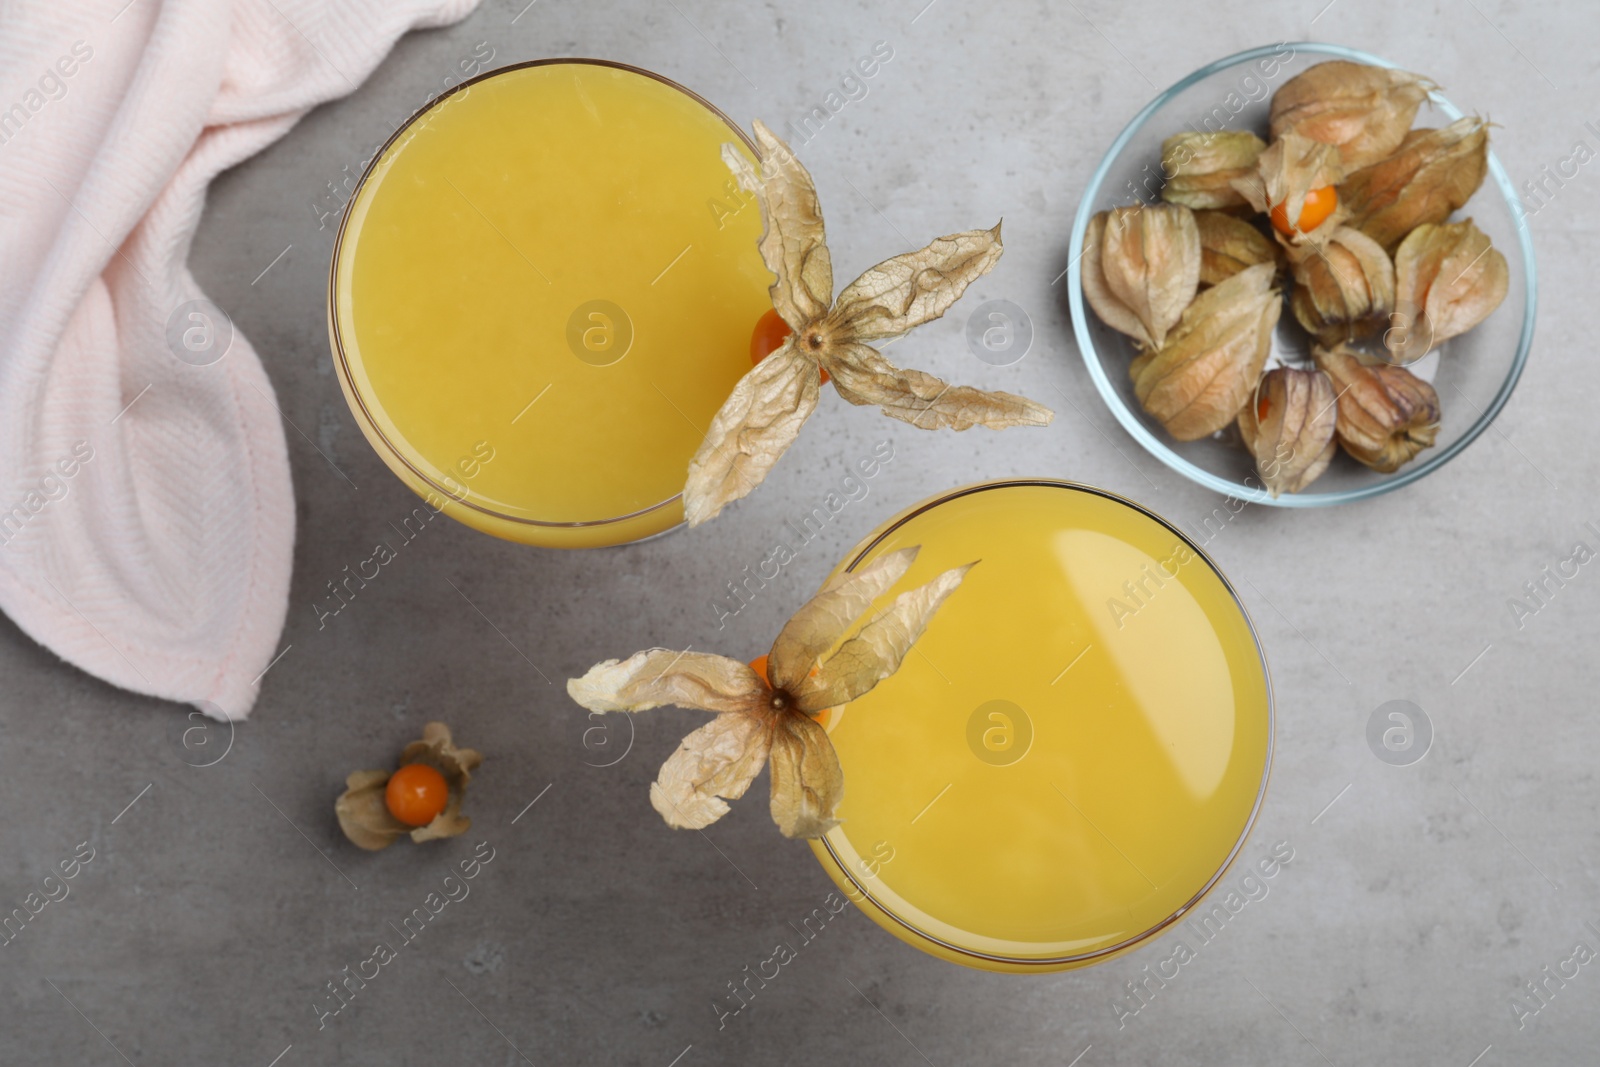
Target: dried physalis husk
[1199, 380]
[763, 416]
[1288, 427]
[1229, 244]
[1448, 278]
[1431, 175]
[1344, 290]
[1141, 267]
[1291, 167]
[1199, 167]
[364, 815]
[812, 667]
[1362, 110]
[1386, 414]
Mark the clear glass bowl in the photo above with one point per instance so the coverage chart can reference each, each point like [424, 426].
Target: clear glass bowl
[1478, 370]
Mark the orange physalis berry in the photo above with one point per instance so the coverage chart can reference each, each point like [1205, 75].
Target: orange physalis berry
[768, 337]
[1318, 206]
[416, 794]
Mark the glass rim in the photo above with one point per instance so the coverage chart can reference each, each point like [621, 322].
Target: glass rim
[1161, 450]
[341, 359]
[857, 556]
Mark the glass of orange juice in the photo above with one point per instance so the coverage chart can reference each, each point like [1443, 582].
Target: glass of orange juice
[542, 290]
[1073, 752]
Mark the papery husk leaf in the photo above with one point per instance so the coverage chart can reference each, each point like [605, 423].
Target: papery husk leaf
[1112, 311]
[1293, 441]
[1200, 166]
[1197, 383]
[1345, 288]
[754, 427]
[363, 814]
[714, 764]
[437, 748]
[1361, 109]
[1289, 169]
[863, 376]
[1431, 175]
[793, 245]
[1386, 414]
[448, 823]
[1150, 260]
[911, 289]
[717, 762]
[825, 618]
[661, 676]
[770, 404]
[807, 781]
[875, 652]
[1448, 278]
[1228, 245]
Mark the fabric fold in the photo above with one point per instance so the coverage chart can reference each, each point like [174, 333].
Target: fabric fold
[146, 511]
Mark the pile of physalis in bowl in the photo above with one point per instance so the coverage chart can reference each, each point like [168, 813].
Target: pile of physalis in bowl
[1346, 213]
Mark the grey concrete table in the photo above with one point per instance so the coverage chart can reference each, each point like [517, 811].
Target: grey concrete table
[1419, 901]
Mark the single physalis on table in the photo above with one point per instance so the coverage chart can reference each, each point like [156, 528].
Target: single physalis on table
[421, 799]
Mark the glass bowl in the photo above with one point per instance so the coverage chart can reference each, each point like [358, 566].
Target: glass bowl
[1480, 367]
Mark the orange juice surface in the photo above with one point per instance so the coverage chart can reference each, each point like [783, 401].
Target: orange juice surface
[1073, 751]
[543, 290]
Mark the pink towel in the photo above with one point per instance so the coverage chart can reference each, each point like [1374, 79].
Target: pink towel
[146, 514]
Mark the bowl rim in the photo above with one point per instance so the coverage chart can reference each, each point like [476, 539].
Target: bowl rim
[859, 553]
[1162, 450]
[359, 399]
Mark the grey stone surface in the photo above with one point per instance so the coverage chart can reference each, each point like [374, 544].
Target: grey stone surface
[1420, 897]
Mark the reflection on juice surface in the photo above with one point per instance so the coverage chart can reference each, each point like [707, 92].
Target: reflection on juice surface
[1073, 750]
[551, 267]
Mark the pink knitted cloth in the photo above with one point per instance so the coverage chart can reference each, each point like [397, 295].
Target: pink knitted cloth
[146, 513]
